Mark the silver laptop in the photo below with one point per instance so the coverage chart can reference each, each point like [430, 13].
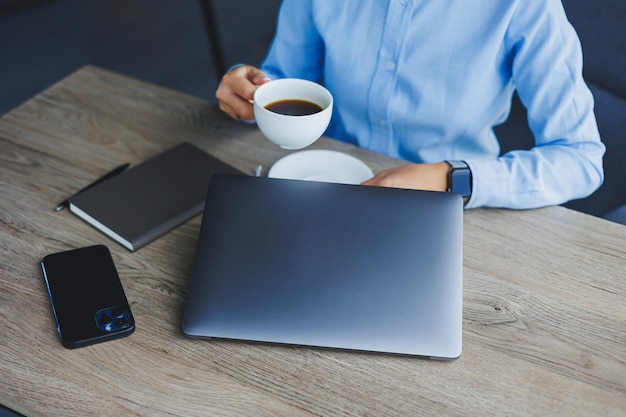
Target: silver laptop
[329, 265]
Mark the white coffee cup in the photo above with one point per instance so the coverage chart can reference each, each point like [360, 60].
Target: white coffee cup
[288, 131]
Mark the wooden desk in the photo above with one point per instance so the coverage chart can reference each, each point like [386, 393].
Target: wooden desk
[544, 291]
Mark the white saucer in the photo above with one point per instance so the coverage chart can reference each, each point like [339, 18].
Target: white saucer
[321, 165]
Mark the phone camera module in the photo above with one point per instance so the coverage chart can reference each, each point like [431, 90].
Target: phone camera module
[112, 319]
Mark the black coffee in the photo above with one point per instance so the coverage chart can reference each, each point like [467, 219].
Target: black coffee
[294, 107]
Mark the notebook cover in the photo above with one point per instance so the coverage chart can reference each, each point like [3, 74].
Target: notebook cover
[146, 201]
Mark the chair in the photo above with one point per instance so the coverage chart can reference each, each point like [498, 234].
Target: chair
[239, 31]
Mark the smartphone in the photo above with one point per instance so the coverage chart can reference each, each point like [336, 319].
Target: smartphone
[87, 297]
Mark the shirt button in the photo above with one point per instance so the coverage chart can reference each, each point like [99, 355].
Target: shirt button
[391, 66]
[404, 2]
[382, 122]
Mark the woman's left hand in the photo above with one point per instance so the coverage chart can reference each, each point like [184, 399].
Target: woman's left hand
[433, 177]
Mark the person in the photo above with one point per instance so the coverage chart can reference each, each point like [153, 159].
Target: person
[426, 82]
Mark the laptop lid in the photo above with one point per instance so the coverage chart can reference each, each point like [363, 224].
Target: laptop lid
[329, 265]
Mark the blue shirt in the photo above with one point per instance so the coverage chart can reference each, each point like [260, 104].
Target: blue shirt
[427, 80]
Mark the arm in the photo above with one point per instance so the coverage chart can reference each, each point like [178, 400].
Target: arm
[297, 50]
[566, 162]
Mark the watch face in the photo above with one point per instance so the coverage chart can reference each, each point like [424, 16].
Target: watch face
[460, 178]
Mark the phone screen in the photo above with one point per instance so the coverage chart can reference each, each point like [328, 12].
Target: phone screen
[87, 297]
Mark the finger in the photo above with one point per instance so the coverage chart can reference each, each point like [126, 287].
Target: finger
[226, 109]
[254, 74]
[245, 80]
[234, 105]
[238, 109]
[243, 109]
[375, 180]
[236, 91]
[387, 178]
[260, 80]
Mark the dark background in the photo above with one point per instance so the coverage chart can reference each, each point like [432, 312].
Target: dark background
[160, 41]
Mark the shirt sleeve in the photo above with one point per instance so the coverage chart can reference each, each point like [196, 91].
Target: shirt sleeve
[297, 50]
[566, 162]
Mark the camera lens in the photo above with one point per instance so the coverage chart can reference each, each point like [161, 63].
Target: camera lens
[121, 322]
[103, 320]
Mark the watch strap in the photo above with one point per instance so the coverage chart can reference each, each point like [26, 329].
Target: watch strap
[460, 178]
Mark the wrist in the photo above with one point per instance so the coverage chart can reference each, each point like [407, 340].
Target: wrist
[235, 66]
[459, 179]
[440, 176]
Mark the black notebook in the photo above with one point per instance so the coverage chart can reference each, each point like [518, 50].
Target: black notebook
[143, 203]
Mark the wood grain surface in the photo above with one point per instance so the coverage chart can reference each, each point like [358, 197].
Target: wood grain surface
[544, 328]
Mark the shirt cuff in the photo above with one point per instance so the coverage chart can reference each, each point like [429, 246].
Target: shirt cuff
[488, 184]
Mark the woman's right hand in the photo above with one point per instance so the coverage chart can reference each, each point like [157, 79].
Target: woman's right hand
[236, 91]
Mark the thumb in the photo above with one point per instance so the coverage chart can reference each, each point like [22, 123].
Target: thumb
[255, 75]
[260, 79]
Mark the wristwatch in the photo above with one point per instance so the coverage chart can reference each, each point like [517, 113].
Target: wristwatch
[460, 179]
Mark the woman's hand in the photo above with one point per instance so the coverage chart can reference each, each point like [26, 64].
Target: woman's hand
[236, 91]
[433, 177]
